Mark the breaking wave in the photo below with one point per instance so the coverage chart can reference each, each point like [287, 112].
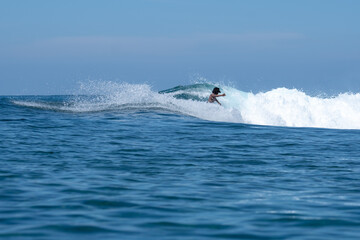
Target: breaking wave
[278, 107]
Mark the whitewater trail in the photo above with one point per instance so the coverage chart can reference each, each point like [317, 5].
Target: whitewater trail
[278, 107]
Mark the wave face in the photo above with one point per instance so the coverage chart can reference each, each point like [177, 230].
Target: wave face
[278, 107]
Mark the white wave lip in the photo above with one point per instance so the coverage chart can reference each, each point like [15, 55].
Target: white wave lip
[293, 108]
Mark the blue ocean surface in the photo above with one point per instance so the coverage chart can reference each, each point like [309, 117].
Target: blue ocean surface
[127, 162]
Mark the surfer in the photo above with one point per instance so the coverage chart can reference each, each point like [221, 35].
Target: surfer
[214, 95]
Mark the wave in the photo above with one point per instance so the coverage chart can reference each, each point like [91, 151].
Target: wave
[278, 107]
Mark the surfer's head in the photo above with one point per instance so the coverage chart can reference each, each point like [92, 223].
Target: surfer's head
[216, 90]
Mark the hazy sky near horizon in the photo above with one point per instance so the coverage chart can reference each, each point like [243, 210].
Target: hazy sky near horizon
[47, 47]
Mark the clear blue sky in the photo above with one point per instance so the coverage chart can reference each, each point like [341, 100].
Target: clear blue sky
[46, 47]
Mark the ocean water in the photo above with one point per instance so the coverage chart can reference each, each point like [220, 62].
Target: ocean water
[122, 161]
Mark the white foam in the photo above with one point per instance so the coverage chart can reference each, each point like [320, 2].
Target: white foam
[293, 108]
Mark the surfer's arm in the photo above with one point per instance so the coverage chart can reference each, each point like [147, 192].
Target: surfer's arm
[221, 95]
